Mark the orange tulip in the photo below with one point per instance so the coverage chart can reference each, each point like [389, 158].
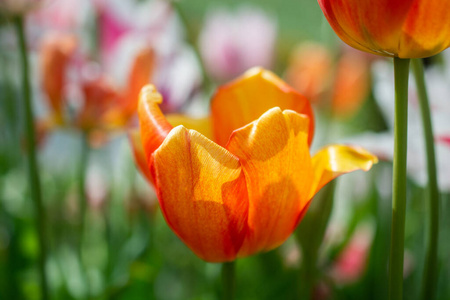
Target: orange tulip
[104, 106]
[397, 28]
[141, 71]
[351, 85]
[99, 96]
[345, 83]
[246, 189]
[55, 53]
[310, 68]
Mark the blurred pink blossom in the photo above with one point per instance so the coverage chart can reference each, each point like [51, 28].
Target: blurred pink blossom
[127, 29]
[154, 22]
[96, 187]
[139, 43]
[351, 263]
[231, 43]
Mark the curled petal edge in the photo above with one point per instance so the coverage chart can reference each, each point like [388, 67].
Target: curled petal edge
[335, 160]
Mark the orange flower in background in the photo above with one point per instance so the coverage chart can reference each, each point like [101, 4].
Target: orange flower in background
[244, 190]
[351, 85]
[309, 70]
[55, 54]
[102, 104]
[141, 71]
[99, 96]
[343, 84]
[400, 28]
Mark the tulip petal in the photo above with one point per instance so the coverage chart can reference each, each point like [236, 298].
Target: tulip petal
[274, 155]
[55, 54]
[140, 75]
[202, 125]
[202, 193]
[245, 99]
[371, 26]
[335, 160]
[153, 124]
[426, 30]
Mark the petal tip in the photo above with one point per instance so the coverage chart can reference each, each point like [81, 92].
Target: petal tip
[149, 93]
[366, 156]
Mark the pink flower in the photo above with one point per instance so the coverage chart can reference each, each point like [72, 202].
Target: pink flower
[232, 43]
[351, 263]
[152, 22]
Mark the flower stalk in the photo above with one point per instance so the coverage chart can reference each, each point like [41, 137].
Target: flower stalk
[83, 164]
[401, 70]
[228, 280]
[430, 269]
[33, 171]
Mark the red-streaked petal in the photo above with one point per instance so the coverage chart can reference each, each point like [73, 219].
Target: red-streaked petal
[202, 193]
[153, 124]
[426, 30]
[371, 26]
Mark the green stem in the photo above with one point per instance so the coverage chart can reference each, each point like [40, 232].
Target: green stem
[35, 185]
[429, 283]
[84, 158]
[401, 70]
[228, 281]
[83, 164]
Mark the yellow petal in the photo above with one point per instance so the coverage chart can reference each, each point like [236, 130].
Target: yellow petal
[335, 160]
[202, 194]
[202, 125]
[245, 99]
[274, 155]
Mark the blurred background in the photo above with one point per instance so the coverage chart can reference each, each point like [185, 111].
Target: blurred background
[106, 237]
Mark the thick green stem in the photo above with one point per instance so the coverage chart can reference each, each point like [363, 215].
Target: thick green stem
[429, 282]
[401, 69]
[35, 185]
[228, 280]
